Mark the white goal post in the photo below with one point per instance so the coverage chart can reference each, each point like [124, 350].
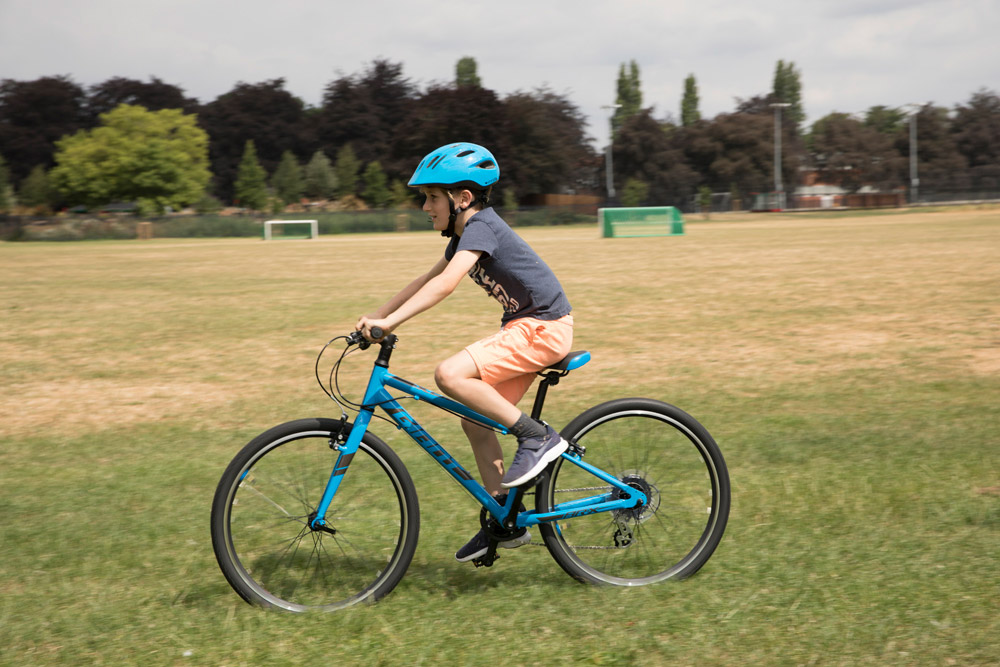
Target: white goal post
[313, 227]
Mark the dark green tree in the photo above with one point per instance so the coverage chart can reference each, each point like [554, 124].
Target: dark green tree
[976, 130]
[36, 191]
[737, 151]
[886, 120]
[689, 104]
[153, 95]
[629, 95]
[367, 111]
[250, 188]
[650, 152]
[466, 73]
[940, 165]
[287, 181]
[852, 154]
[445, 114]
[266, 113]
[5, 189]
[551, 139]
[635, 192]
[788, 88]
[34, 115]
[320, 181]
[346, 170]
[376, 192]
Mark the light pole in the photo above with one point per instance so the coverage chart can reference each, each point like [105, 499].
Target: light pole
[608, 169]
[914, 180]
[779, 188]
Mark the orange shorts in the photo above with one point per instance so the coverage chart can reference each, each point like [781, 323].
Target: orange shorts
[509, 359]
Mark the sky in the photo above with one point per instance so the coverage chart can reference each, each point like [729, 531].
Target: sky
[851, 54]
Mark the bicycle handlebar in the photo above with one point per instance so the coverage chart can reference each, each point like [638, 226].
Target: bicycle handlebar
[358, 338]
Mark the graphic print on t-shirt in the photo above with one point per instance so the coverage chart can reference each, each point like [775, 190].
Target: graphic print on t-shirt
[493, 288]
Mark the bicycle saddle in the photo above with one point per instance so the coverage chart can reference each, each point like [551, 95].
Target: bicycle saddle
[572, 361]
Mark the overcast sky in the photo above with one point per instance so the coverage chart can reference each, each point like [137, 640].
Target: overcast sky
[852, 54]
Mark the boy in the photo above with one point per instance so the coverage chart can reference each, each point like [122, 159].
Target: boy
[490, 375]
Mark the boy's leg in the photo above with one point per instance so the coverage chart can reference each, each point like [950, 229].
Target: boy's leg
[459, 377]
[489, 455]
[485, 445]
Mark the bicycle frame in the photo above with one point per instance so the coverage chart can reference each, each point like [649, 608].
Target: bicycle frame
[377, 395]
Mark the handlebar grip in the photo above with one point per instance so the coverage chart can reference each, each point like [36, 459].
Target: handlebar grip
[377, 333]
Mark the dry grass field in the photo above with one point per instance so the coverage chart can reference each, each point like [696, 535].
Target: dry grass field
[848, 365]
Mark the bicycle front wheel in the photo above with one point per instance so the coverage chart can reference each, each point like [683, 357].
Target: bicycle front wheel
[267, 497]
[660, 450]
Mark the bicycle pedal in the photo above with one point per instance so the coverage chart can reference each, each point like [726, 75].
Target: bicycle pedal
[483, 561]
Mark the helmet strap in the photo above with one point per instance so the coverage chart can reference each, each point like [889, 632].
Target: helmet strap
[482, 198]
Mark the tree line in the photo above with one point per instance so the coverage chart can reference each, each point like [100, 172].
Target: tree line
[62, 144]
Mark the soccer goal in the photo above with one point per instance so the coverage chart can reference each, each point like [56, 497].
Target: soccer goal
[640, 221]
[313, 228]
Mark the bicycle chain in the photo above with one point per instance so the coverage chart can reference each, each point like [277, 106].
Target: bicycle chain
[582, 488]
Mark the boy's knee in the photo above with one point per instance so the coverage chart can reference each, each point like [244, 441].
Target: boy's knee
[445, 377]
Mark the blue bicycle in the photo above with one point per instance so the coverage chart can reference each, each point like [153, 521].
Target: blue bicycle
[320, 514]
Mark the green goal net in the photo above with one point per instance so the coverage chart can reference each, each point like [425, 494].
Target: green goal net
[641, 221]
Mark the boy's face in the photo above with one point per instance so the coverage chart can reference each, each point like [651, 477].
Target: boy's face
[436, 206]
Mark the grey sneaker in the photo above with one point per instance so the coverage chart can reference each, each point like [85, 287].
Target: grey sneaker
[533, 454]
[479, 545]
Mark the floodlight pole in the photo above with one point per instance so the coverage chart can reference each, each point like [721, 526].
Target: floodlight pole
[779, 187]
[608, 168]
[914, 180]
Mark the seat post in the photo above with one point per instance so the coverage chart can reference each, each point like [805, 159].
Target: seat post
[543, 389]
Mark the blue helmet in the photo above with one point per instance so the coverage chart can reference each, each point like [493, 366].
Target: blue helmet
[454, 165]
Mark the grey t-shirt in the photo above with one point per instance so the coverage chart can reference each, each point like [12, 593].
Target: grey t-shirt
[509, 270]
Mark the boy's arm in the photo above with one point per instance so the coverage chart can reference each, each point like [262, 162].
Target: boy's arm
[423, 293]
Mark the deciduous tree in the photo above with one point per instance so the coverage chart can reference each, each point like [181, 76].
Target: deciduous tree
[154, 95]
[851, 154]
[367, 111]
[34, 115]
[648, 151]
[552, 153]
[976, 130]
[885, 120]
[265, 113]
[154, 158]
[5, 188]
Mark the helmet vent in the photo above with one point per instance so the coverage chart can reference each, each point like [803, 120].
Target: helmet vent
[464, 153]
[433, 163]
[487, 164]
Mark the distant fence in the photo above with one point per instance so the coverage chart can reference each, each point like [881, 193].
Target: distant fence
[123, 226]
[724, 201]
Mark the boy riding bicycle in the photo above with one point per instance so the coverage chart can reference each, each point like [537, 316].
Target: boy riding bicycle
[493, 374]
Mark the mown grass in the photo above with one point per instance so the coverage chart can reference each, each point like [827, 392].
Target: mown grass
[848, 368]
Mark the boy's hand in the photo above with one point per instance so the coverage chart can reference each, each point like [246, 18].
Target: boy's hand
[366, 323]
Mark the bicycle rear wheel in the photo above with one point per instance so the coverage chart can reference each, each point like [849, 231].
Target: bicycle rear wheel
[268, 494]
[660, 450]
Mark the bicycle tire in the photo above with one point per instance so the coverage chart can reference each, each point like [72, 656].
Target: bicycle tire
[263, 502]
[667, 454]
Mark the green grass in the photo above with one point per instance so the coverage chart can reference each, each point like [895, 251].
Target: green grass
[848, 368]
